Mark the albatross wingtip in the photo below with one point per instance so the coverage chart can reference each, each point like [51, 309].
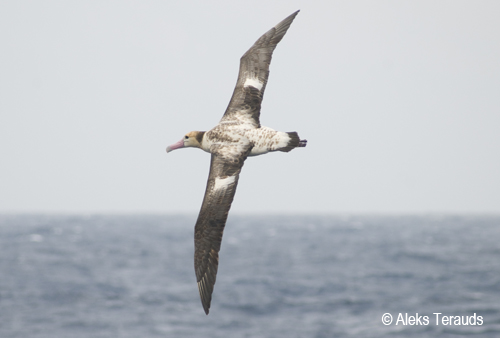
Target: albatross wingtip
[206, 304]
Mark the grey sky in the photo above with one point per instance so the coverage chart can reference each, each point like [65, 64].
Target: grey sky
[399, 100]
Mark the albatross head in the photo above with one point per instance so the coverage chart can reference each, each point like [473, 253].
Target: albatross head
[191, 139]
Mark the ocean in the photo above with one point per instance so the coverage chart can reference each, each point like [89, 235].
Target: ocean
[65, 276]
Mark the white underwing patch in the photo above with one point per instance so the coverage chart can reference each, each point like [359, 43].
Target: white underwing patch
[253, 82]
[223, 182]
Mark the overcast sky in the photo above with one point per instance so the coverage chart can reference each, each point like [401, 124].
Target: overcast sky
[399, 100]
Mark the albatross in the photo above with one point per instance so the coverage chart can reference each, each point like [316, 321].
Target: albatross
[237, 136]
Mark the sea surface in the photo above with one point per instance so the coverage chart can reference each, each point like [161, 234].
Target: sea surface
[279, 276]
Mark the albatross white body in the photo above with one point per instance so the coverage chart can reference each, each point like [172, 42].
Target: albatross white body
[237, 136]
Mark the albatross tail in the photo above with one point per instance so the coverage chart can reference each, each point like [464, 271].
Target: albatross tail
[294, 142]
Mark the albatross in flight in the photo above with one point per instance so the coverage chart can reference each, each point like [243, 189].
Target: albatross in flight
[237, 136]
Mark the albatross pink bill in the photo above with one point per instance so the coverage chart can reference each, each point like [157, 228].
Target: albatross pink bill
[176, 145]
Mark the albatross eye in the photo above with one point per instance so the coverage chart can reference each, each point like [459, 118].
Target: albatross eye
[186, 137]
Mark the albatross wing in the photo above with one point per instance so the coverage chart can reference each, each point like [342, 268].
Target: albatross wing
[221, 186]
[230, 143]
[252, 78]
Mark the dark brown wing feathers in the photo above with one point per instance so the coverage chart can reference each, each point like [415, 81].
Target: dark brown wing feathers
[211, 221]
[255, 64]
[226, 165]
